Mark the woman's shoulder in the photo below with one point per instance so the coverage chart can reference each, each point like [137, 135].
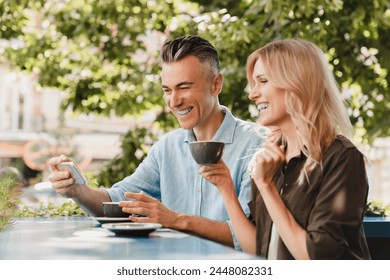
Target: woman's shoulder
[340, 147]
[343, 142]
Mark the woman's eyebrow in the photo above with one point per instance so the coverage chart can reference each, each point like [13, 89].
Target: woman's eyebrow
[259, 76]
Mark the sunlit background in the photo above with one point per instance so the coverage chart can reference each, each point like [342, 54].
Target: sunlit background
[82, 77]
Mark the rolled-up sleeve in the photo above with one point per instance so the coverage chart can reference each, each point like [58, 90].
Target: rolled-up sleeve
[338, 210]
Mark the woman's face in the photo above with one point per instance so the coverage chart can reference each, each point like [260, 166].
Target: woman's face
[269, 99]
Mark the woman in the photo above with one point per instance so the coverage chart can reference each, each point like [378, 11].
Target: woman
[309, 183]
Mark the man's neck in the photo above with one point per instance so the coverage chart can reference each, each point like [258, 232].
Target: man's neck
[207, 131]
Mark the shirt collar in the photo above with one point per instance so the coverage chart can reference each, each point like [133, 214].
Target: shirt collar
[225, 132]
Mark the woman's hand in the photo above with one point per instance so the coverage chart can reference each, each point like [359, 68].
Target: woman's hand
[267, 162]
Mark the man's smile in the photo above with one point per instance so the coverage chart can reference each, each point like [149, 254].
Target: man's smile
[184, 112]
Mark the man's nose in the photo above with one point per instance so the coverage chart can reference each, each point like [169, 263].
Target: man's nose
[174, 100]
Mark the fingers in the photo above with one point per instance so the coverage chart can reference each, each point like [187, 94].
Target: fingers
[137, 210]
[61, 180]
[133, 204]
[148, 212]
[140, 204]
[141, 219]
[271, 152]
[59, 175]
[211, 174]
[218, 167]
[150, 209]
[54, 161]
[141, 196]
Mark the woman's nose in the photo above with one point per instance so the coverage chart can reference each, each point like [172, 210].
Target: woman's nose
[254, 93]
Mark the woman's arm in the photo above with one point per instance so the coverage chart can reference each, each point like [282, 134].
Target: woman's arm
[293, 235]
[219, 175]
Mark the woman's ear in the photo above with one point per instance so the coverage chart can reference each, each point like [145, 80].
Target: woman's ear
[217, 84]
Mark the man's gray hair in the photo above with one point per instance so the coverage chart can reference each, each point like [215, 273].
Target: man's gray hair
[179, 48]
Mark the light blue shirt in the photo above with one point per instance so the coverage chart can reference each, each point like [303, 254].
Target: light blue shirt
[169, 172]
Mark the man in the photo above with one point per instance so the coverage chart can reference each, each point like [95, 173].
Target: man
[166, 187]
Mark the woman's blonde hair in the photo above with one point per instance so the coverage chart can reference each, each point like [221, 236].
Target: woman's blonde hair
[313, 99]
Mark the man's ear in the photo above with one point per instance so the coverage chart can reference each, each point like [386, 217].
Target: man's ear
[217, 84]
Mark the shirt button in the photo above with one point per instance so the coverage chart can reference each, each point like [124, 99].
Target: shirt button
[197, 189]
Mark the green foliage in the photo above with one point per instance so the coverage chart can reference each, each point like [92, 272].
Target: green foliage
[7, 203]
[90, 49]
[69, 208]
[354, 34]
[11, 207]
[97, 52]
[377, 208]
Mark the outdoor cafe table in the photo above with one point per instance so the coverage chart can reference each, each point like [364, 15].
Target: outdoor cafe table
[82, 238]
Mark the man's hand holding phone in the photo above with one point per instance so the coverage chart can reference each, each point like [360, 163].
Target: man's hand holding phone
[73, 170]
[65, 183]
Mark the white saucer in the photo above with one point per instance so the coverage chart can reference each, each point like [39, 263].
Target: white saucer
[104, 220]
[132, 229]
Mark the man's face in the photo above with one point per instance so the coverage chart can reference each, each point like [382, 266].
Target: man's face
[188, 92]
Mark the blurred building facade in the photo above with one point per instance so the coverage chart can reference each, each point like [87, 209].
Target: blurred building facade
[32, 126]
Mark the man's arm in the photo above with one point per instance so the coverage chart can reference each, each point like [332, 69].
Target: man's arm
[90, 200]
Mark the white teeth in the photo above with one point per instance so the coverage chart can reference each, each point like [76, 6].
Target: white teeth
[262, 106]
[184, 112]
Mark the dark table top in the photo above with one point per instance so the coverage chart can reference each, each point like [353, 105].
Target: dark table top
[375, 227]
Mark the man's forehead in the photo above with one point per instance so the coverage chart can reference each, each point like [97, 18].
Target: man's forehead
[177, 83]
[174, 75]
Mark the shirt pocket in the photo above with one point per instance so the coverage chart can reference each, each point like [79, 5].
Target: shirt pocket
[300, 201]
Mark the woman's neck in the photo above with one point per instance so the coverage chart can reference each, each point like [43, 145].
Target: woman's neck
[293, 145]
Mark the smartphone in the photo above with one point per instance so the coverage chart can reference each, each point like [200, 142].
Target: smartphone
[74, 171]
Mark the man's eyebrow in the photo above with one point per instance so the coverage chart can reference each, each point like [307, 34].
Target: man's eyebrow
[184, 84]
[181, 84]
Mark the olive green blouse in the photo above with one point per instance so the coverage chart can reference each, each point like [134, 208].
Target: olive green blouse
[330, 207]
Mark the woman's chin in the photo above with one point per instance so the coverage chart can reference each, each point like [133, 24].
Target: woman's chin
[261, 122]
